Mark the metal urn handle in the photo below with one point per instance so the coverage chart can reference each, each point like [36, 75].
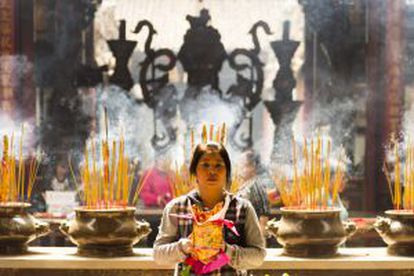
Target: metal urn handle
[382, 225]
[64, 227]
[143, 228]
[272, 227]
[42, 228]
[350, 227]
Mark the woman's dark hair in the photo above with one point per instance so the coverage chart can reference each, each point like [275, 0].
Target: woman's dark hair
[201, 149]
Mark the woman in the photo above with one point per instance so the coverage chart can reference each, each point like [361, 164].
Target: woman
[156, 191]
[182, 239]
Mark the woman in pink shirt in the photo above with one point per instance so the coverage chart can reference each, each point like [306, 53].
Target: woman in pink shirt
[156, 190]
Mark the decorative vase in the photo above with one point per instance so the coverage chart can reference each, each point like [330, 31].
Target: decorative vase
[311, 233]
[18, 228]
[105, 232]
[397, 231]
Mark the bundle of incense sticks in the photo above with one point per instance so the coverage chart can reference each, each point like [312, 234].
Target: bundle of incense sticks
[219, 135]
[180, 180]
[401, 190]
[236, 182]
[16, 179]
[107, 175]
[312, 185]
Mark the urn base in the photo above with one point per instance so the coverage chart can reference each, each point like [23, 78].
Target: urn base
[401, 250]
[310, 250]
[13, 249]
[105, 251]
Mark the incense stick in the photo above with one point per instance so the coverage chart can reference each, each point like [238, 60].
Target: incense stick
[310, 186]
[107, 180]
[12, 188]
[401, 187]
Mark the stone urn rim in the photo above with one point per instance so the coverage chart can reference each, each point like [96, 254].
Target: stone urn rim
[400, 213]
[15, 204]
[104, 212]
[115, 209]
[14, 207]
[318, 211]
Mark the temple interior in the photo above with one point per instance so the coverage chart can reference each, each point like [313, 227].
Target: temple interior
[102, 103]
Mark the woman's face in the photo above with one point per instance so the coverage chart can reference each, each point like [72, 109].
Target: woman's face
[211, 171]
[61, 172]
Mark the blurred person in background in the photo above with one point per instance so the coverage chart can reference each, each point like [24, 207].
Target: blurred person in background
[58, 180]
[61, 181]
[156, 186]
[256, 183]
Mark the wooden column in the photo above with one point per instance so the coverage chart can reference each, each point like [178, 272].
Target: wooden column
[385, 79]
[25, 90]
[394, 66]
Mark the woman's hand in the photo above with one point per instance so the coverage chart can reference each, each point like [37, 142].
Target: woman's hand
[185, 245]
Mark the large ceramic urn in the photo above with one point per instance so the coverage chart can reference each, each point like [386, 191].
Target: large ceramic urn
[310, 233]
[18, 227]
[397, 231]
[105, 232]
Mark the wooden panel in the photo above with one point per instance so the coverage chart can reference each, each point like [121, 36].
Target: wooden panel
[7, 49]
